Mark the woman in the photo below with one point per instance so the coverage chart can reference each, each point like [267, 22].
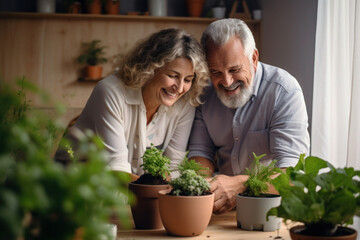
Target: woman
[150, 100]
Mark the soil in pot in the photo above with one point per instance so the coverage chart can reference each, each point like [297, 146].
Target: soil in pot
[342, 233]
[149, 179]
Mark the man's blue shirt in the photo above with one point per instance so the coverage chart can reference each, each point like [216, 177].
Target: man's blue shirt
[274, 121]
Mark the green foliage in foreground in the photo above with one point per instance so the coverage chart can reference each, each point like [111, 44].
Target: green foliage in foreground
[191, 181]
[260, 176]
[327, 198]
[41, 199]
[155, 163]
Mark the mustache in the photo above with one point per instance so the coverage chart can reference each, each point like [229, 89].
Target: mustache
[233, 86]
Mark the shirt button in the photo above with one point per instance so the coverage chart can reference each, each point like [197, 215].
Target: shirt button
[237, 139]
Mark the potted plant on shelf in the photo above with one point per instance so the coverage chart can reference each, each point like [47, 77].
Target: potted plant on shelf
[186, 209]
[253, 205]
[72, 6]
[112, 6]
[195, 7]
[40, 198]
[146, 209]
[218, 9]
[93, 6]
[93, 56]
[320, 196]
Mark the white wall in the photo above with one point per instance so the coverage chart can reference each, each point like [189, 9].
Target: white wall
[288, 40]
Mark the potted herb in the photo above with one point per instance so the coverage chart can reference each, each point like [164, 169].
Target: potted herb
[255, 202]
[146, 210]
[41, 199]
[320, 196]
[93, 6]
[112, 6]
[93, 56]
[186, 209]
[72, 6]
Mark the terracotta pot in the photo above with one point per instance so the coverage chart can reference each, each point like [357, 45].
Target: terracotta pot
[112, 7]
[185, 215]
[94, 7]
[295, 235]
[251, 212]
[94, 72]
[145, 212]
[75, 8]
[195, 7]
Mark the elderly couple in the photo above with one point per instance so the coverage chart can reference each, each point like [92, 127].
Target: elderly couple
[162, 95]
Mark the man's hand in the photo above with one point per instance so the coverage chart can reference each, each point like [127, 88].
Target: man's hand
[225, 189]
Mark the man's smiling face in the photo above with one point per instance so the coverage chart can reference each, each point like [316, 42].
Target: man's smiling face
[231, 72]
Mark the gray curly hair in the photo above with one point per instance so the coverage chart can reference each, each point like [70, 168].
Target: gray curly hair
[139, 65]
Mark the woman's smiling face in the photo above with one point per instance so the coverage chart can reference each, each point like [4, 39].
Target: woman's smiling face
[169, 83]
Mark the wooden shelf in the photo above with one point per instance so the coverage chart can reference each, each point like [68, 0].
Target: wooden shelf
[43, 47]
[104, 17]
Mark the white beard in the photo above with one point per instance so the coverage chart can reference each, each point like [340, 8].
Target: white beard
[236, 100]
[242, 97]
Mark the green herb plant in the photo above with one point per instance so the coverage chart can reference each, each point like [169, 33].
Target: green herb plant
[319, 195]
[155, 163]
[93, 53]
[260, 176]
[41, 199]
[155, 166]
[191, 181]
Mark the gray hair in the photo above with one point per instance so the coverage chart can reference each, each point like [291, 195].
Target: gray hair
[221, 31]
[160, 48]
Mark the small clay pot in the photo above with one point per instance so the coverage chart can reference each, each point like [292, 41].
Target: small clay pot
[94, 7]
[145, 212]
[94, 72]
[112, 7]
[195, 7]
[185, 215]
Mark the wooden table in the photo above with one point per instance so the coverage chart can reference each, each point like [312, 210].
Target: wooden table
[220, 227]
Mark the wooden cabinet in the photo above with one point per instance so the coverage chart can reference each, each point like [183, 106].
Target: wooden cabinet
[44, 47]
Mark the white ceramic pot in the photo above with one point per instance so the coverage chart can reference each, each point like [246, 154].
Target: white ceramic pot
[257, 14]
[45, 6]
[251, 212]
[158, 8]
[218, 12]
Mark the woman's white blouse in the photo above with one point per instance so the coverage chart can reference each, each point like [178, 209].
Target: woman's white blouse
[117, 114]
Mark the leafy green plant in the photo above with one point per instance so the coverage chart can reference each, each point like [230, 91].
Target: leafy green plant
[155, 163]
[187, 164]
[191, 181]
[260, 176]
[322, 201]
[41, 199]
[93, 53]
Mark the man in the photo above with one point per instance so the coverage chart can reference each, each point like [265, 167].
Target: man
[250, 107]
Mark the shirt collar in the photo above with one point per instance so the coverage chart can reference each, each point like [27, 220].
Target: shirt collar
[133, 96]
[257, 78]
